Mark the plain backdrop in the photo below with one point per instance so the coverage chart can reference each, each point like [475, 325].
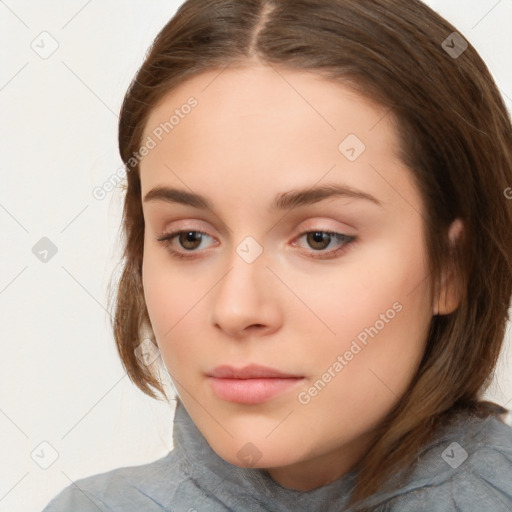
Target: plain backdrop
[67, 410]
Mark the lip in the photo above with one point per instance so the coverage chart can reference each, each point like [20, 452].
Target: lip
[251, 371]
[252, 384]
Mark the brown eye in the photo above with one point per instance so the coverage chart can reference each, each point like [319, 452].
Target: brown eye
[190, 239]
[318, 239]
[183, 244]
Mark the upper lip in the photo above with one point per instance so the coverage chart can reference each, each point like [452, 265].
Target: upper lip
[251, 371]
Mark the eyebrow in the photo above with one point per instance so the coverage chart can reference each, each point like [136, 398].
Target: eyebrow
[283, 201]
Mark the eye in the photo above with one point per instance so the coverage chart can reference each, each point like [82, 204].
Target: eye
[320, 240]
[189, 240]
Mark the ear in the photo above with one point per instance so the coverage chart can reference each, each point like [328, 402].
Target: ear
[447, 299]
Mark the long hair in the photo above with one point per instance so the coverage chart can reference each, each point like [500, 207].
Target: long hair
[455, 137]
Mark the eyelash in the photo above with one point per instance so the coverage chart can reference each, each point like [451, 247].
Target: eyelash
[166, 239]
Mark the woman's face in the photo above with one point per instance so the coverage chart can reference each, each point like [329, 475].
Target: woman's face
[281, 159]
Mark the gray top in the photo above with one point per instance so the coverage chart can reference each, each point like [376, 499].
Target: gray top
[468, 468]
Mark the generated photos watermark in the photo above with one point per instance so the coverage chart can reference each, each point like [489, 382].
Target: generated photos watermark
[161, 130]
[305, 397]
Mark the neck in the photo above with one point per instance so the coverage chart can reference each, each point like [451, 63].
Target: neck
[323, 469]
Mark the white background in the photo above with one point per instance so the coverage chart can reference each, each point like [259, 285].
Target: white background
[61, 380]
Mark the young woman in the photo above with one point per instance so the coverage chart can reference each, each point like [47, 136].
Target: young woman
[318, 241]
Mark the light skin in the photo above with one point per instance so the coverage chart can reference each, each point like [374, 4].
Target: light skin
[255, 134]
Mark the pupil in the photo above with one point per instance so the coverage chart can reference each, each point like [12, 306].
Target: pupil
[319, 237]
[190, 240]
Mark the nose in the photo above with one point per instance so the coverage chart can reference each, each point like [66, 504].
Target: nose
[245, 301]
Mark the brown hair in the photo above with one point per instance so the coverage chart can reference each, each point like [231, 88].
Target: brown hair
[456, 139]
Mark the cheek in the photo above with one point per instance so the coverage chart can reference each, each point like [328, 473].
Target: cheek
[381, 321]
[377, 279]
[175, 303]
[164, 292]
[377, 306]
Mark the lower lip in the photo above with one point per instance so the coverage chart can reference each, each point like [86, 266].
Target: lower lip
[251, 391]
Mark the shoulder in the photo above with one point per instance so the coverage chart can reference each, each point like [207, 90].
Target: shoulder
[468, 469]
[126, 489]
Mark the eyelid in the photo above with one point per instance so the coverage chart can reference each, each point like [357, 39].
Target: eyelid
[347, 242]
[322, 225]
[167, 236]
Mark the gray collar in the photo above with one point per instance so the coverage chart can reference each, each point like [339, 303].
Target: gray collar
[235, 486]
[253, 489]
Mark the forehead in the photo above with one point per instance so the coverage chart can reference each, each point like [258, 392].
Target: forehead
[259, 126]
[267, 93]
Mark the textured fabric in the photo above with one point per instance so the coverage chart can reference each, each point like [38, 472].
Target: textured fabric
[193, 478]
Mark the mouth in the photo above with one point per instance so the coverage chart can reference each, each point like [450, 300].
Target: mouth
[252, 384]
